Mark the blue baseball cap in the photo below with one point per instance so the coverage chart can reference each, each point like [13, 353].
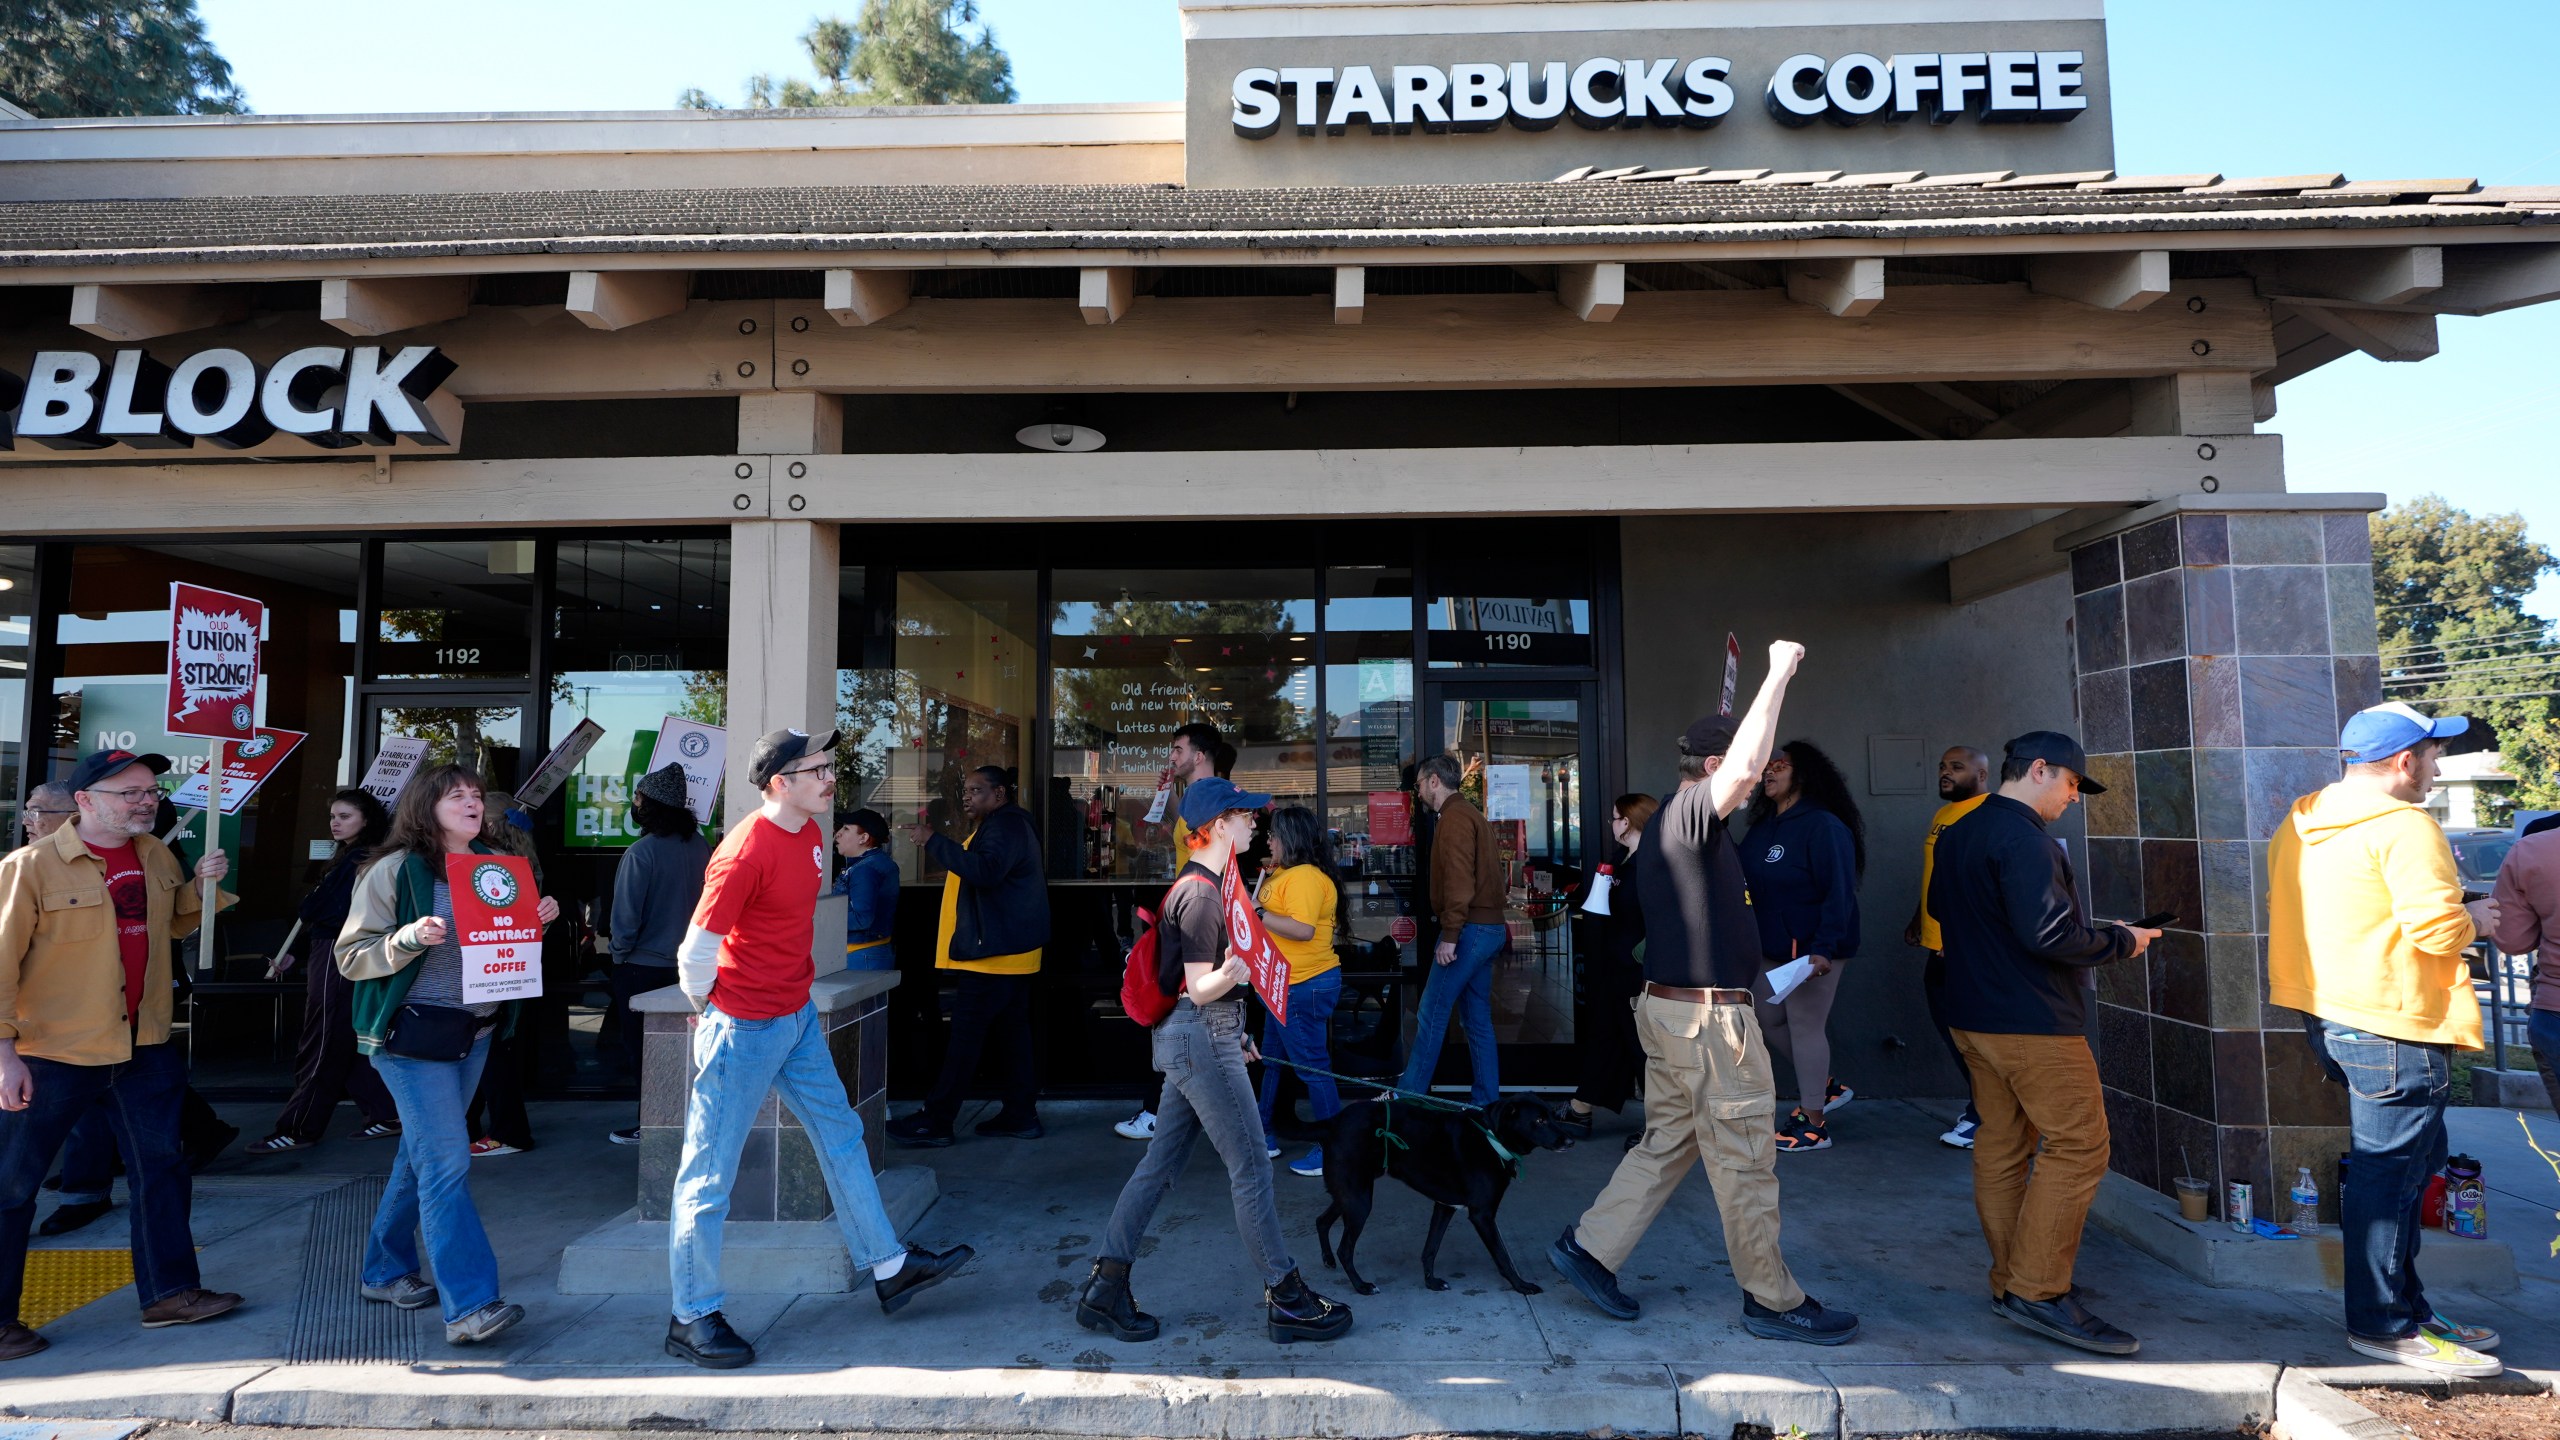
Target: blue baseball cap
[1206, 800]
[2385, 730]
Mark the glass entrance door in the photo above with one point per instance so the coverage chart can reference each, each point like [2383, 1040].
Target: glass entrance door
[1528, 750]
[485, 732]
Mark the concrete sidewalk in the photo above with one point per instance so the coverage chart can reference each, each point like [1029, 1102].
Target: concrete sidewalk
[1882, 1224]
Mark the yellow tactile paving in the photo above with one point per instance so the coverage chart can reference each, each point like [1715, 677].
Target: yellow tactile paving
[61, 1281]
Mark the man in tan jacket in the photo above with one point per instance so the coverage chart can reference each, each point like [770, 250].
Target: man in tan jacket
[86, 919]
[1466, 893]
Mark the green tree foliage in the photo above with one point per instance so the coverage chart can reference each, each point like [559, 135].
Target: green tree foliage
[895, 52]
[66, 59]
[2449, 591]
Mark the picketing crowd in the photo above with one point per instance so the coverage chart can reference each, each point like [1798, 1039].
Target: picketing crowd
[1728, 928]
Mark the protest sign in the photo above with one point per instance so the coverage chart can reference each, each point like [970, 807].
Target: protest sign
[213, 662]
[1249, 942]
[496, 926]
[1732, 672]
[559, 765]
[393, 764]
[243, 771]
[702, 750]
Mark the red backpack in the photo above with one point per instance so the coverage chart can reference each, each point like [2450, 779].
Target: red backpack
[1140, 996]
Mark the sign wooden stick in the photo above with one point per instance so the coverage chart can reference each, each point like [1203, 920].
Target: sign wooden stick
[275, 967]
[205, 954]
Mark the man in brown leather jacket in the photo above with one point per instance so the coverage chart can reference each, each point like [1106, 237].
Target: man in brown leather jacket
[1466, 893]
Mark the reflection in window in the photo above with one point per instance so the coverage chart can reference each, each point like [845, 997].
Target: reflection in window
[1136, 655]
[455, 610]
[17, 612]
[640, 631]
[1503, 597]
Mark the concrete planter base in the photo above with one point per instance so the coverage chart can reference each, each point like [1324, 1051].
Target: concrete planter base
[756, 1258]
[2214, 1253]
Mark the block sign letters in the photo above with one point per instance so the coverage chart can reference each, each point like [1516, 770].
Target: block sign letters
[1992, 86]
[333, 396]
[496, 926]
[213, 662]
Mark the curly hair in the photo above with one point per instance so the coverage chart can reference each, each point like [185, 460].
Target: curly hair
[413, 818]
[1819, 784]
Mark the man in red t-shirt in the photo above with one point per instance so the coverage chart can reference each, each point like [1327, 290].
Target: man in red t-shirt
[745, 965]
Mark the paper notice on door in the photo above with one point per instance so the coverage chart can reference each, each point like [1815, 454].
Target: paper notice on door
[1784, 979]
[1508, 792]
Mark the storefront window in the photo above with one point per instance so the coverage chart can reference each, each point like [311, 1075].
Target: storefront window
[961, 690]
[640, 631]
[17, 628]
[1502, 596]
[455, 610]
[1136, 655]
[1371, 738]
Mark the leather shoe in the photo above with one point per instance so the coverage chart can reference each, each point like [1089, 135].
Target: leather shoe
[187, 1307]
[923, 1268]
[73, 1215]
[17, 1342]
[920, 1131]
[1000, 1128]
[2065, 1319]
[709, 1343]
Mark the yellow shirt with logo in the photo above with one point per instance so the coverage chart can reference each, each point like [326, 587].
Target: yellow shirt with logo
[1304, 894]
[1947, 815]
[1026, 963]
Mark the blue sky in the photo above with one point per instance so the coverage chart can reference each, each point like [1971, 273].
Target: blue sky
[2246, 87]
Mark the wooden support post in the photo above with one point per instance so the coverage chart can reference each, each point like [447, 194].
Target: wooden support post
[1103, 291]
[1845, 287]
[620, 299]
[2125, 281]
[2194, 402]
[1350, 294]
[384, 307]
[865, 297]
[144, 312]
[1594, 292]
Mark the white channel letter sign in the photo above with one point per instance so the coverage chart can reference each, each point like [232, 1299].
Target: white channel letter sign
[1603, 93]
[334, 396]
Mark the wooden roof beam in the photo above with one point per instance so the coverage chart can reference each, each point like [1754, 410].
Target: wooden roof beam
[2127, 280]
[2383, 334]
[620, 299]
[1595, 292]
[1846, 287]
[866, 297]
[2021, 558]
[1103, 292]
[388, 306]
[131, 313]
[2483, 280]
[2396, 276]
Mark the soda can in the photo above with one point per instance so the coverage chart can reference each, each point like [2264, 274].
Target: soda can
[2235, 1205]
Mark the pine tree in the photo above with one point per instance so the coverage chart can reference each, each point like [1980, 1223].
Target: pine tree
[895, 52]
[66, 59]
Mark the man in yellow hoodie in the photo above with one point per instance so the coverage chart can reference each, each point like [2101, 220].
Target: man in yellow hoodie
[2365, 931]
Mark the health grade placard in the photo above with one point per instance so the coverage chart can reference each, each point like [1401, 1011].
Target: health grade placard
[496, 927]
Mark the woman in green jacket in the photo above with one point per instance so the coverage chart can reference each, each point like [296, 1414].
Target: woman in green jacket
[400, 948]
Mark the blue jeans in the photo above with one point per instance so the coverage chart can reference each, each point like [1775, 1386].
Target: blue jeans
[1201, 1054]
[1466, 986]
[2543, 1033]
[2396, 1093]
[139, 1101]
[1302, 1042]
[737, 1063]
[89, 1161]
[430, 1184]
[883, 956]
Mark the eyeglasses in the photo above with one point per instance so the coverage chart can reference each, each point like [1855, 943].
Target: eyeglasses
[806, 770]
[127, 796]
[40, 810]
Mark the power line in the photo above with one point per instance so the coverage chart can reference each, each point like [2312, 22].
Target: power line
[2494, 637]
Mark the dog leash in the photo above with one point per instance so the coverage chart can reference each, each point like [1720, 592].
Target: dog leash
[1413, 1097]
[1388, 1095]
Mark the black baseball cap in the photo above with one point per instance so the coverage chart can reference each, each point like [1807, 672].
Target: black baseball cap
[100, 764]
[1708, 735]
[779, 748]
[2055, 748]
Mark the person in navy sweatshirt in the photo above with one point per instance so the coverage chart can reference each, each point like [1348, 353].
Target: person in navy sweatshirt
[1805, 851]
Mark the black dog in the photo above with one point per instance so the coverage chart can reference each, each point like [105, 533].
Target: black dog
[1448, 1157]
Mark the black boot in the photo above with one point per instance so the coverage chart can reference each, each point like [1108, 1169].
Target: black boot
[1299, 1313]
[923, 1268]
[1106, 1304]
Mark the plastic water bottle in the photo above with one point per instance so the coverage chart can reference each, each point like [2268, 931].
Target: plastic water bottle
[2306, 1202]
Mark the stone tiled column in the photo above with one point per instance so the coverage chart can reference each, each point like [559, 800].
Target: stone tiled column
[2219, 648]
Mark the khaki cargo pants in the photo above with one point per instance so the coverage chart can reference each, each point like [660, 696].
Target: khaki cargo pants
[1708, 1095]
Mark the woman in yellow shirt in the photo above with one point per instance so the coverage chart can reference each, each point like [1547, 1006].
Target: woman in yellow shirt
[1298, 902]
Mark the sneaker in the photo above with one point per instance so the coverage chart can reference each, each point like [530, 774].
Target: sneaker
[2469, 1337]
[1802, 1133]
[624, 1137]
[1141, 1126]
[409, 1292]
[486, 1323]
[2065, 1319]
[2431, 1353]
[1808, 1322]
[1836, 1096]
[920, 1131]
[17, 1342]
[1591, 1278]
[1000, 1128]
[1271, 1148]
[482, 1150]
[187, 1307]
[1310, 1164]
[380, 1130]
[278, 1145]
[1961, 1134]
